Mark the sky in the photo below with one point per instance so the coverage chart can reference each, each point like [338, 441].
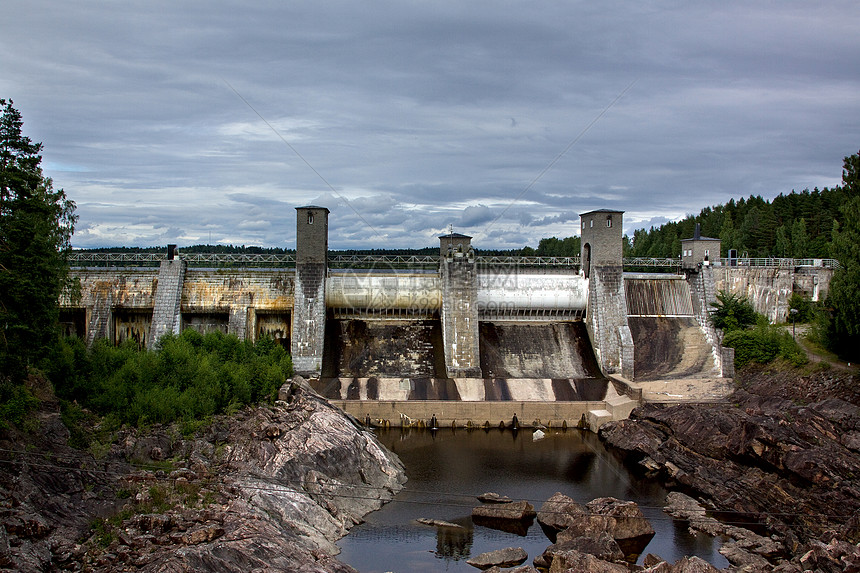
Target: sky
[191, 122]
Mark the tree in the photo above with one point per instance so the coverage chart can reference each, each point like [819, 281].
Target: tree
[843, 332]
[36, 225]
[732, 312]
[799, 239]
[782, 247]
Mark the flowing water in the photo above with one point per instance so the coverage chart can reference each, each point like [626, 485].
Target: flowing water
[447, 469]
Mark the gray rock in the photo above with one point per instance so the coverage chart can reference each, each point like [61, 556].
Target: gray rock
[521, 569]
[438, 523]
[574, 560]
[628, 521]
[508, 557]
[742, 558]
[270, 504]
[556, 514]
[693, 565]
[516, 510]
[493, 497]
[603, 547]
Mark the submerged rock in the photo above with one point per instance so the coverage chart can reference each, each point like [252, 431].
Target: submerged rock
[438, 523]
[493, 497]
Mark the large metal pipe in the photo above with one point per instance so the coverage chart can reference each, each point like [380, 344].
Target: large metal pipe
[379, 292]
[497, 293]
[531, 292]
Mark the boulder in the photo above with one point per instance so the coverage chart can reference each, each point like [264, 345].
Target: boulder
[603, 547]
[693, 565]
[508, 557]
[520, 569]
[515, 510]
[556, 514]
[629, 521]
[571, 559]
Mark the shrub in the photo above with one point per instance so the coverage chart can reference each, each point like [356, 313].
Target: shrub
[805, 308]
[16, 401]
[732, 312]
[188, 377]
[763, 344]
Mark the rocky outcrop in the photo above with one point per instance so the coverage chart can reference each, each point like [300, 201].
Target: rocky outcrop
[781, 454]
[269, 489]
[563, 520]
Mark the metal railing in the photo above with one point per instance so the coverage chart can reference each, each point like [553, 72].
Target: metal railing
[652, 262]
[382, 261]
[108, 259]
[490, 260]
[779, 262]
[288, 260]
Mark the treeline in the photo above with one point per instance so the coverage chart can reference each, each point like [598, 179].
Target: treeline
[796, 225]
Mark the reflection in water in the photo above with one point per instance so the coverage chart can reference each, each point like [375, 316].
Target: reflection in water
[453, 542]
[448, 469]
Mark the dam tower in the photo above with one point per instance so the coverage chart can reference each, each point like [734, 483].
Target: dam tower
[606, 315]
[459, 306]
[309, 312]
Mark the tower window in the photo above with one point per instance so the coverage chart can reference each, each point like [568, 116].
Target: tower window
[609, 220]
[591, 223]
[310, 218]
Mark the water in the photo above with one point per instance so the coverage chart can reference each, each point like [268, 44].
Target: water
[447, 469]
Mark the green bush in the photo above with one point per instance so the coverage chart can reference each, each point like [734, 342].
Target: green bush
[806, 309]
[732, 312]
[16, 401]
[188, 377]
[763, 344]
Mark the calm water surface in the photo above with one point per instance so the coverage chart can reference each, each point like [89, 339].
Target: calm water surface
[447, 469]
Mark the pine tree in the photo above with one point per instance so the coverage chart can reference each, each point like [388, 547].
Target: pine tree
[36, 225]
[844, 298]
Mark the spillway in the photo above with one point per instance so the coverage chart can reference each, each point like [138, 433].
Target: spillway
[668, 339]
[530, 350]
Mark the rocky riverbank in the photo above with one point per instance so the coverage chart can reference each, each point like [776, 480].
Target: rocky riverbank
[782, 457]
[267, 489]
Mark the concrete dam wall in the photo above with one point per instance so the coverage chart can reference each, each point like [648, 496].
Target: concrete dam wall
[534, 350]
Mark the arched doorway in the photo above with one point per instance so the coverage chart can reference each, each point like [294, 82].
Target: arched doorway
[586, 259]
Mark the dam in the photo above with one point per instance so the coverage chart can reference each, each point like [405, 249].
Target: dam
[456, 339]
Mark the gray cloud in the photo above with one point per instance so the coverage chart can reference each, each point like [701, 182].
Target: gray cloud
[421, 115]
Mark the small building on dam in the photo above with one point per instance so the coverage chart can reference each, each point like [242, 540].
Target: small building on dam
[458, 339]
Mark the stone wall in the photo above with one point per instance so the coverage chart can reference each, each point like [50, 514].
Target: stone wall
[104, 290]
[767, 288]
[309, 315]
[460, 316]
[239, 295]
[770, 288]
[607, 321]
[166, 311]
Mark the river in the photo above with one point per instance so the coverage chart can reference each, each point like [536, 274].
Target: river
[448, 468]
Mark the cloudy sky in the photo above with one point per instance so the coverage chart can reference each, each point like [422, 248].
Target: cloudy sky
[209, 121]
